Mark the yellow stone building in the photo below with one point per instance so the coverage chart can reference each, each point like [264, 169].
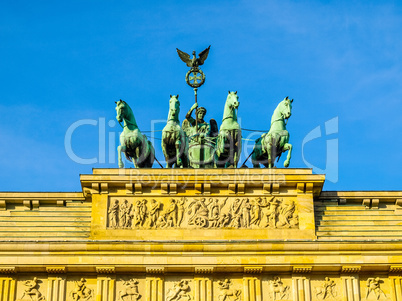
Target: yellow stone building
[202, 235]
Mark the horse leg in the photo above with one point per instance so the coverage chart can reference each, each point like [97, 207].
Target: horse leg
[120, 149]
[179, 162]
[287, 147]
[164, 149]
[269, 157]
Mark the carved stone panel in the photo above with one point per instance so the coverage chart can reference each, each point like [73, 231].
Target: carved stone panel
[81, 288]
[179, 290]
[229, 289]
[31, 288]
[202, 213]
[326, 288]
[375, 287]
[277, 287]
[130, 288]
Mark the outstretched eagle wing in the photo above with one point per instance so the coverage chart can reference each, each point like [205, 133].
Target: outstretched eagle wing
[203, 56]
[185, 57]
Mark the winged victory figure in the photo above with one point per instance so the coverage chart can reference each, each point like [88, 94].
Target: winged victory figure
[194, 62]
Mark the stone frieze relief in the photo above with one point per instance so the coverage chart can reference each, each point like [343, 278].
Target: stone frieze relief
[206, 213]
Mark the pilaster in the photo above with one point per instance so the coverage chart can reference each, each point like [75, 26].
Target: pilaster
[252, 288]
[396, 285]
[106, 286]
[351, 288]
[154, 287]
[301, 288]
[7, 288]
[203, 288]
[56, 289]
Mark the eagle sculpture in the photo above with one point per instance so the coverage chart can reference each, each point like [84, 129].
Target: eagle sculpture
[194, 62]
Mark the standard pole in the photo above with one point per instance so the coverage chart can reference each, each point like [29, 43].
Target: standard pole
[196, 120]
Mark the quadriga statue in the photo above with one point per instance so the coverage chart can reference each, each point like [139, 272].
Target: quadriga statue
[133, 143]
[271, 145]
[174, 142]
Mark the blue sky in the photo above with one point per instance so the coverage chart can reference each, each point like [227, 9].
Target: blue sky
[65, 62]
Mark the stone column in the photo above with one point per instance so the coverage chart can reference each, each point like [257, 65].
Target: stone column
[106, 284]
[7, 288]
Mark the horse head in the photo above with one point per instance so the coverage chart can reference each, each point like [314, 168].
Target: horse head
[233, 100]
[174, 107]
[286, 107]
[120, 110]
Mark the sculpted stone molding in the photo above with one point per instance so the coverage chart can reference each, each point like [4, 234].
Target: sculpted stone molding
[278, 291]
[130, 291]
[227, 293]
[105, 270]
[395, 269]
[302, 269]
[31, 291]
[81, 292]
[253, 270]
[56, 270]
[203, 270]
[179, 291]
[8, 270]
[373, 288]
[326, 290]
[351, 269]
[155, 270]
[207, 213]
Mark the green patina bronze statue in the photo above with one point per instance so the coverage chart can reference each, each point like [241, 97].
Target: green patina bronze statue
[174, 141]
[133, 144]
[271, 145]
[195, 78]
[197, 143]
[201, 138]
[228, 148]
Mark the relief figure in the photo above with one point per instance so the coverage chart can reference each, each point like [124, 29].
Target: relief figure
[154, 213]
[180, 291]
[180, 210]
[326, 290]
[140, 213]
[215, 212]
[373, 286]
[278, 290]
[245, 210]
[287, 215]
[228, 294]
[171, 213]
[130, 290]
[198, 211]
[256, 211]
[125, 210]
[32, 291]
[114, 214]
[235, 213]
[81, 292]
